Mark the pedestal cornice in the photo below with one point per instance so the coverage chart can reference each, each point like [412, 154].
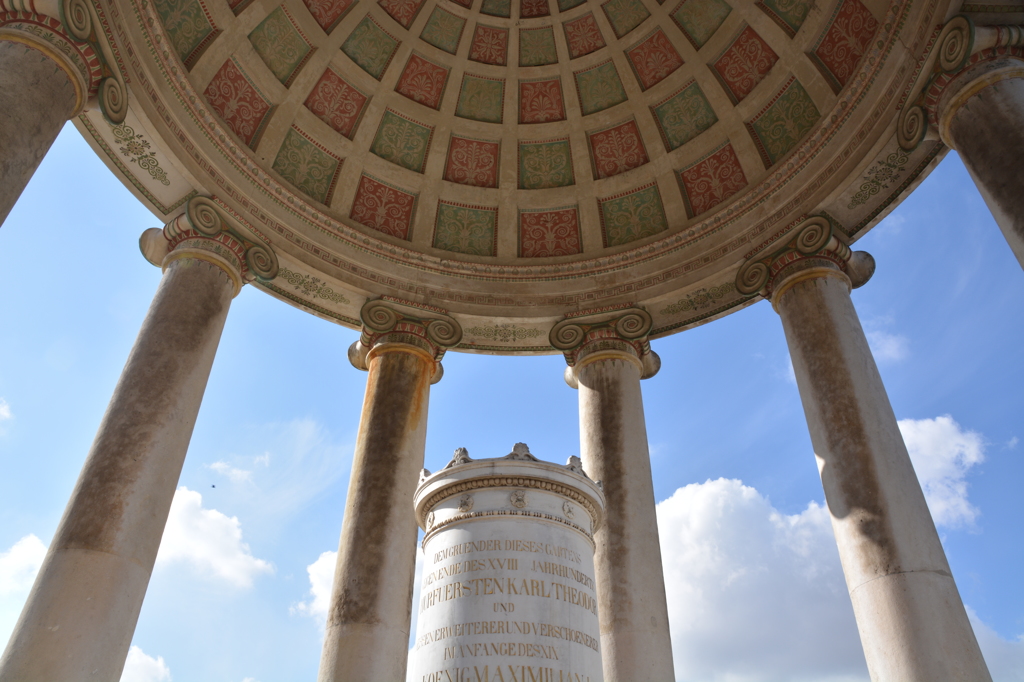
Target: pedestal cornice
[202, 233]
[965, 60]
[810, 251]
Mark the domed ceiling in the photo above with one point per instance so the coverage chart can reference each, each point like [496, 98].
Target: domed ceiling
[514, 161]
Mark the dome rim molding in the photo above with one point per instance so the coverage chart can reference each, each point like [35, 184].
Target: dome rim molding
[697, 238]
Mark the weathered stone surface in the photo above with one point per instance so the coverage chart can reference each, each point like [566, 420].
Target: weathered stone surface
[36, 99]
[987, 133]
[369, 616]
[104, 548]
[635, 642]
[912, 623]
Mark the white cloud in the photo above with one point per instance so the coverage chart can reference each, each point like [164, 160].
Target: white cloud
[790, 373]
[886, 347]
[235, 475]
[754, 594]
[18, 568]
[321, 579]
[943, 453]
[299, 461]
[1012, 443]
[139, 667]
[5, 410]
[19, 565]
[1005, 658]
[208, 540]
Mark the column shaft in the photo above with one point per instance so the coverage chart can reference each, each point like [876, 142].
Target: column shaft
[987, 132]
[912, 623]
[368, 623]
[81, 614]
[36, 99]
[635, 642]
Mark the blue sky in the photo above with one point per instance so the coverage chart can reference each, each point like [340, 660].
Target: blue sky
[755, 590]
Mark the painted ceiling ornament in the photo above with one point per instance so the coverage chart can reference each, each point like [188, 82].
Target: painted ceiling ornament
[335, 193]
[812, 243]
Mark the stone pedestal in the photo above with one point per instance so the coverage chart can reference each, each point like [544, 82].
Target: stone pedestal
[80, 616]
[369, 616]
[508, 590]
[912, 623]
[608, 355]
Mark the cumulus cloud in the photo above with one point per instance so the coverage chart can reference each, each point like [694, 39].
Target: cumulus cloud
[284, 466]
[233, 474]
[1005, 658]
[5, 410]
[943, 453]
[886, 347]
[18, 568]
[139, 667]
[754, 594]
[19, 565]
[209, 541]
[321, 579]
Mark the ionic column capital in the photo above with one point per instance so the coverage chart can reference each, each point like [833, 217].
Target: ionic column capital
[620, 334]
[966, 59]
[201, 233]
[62, 30]
[811, 251]
[390, 325]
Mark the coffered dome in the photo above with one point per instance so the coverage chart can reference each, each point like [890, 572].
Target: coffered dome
[514, 161]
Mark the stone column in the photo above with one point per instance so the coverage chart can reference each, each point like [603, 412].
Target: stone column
[912, 623]
[46, 77]
[608, 355]
[975, 104]
[80, 616]
[368, 622]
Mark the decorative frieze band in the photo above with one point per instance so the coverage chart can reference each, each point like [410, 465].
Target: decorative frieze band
[811, 247]
[391, 321]
[201, 232]
[623, 331]
[966, 58]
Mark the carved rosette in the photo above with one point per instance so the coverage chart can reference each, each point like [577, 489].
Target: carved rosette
[390, 321]
[623, 333]
[812, 250]
[202, 233]
[966, 59]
